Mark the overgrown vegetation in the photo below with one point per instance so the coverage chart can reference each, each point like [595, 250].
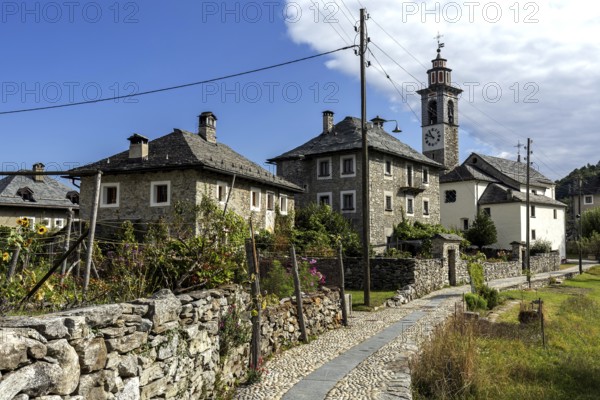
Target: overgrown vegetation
[280, 282]
[482, 297]
[541, 246]
[198, 246]
[505, 360]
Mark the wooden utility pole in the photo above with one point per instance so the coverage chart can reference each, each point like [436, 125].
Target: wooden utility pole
[528, 214]
[92, 234]
[254, 274]
[366, 220]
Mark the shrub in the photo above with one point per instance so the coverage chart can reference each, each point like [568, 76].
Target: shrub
[541, 246]
[483, 232]
[233, 332]
[475, 302]
[491, 296]
[278, 281]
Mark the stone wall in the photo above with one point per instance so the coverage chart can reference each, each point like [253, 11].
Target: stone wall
[165, 347]
[544, 262]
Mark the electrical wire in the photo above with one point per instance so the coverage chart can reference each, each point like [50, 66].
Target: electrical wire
[178, 86]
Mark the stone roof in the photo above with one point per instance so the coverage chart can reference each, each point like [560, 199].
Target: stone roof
[514, 170]
[346, 136]
[466, 172]
[185, 150]
[449, 237]
[46, 194]
[496, 194]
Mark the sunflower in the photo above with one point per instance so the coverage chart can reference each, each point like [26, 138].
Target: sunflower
[28, 242]
[24, 222]
[5, 256]
[42, 230]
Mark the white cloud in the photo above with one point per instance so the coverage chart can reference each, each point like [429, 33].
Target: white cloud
[533, 66]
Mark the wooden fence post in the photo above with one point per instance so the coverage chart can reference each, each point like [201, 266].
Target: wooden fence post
[90, 250]
[298, 290]
[254, 273]
[63, 271]
[342, 290]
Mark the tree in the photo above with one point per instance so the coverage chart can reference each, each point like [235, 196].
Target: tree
[318, 228]
[590, 222]
[483, 232]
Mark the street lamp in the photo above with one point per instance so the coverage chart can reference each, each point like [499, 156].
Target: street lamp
[378, 121]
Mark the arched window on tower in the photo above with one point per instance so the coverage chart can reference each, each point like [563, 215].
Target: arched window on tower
[432, 112]
[451, 111]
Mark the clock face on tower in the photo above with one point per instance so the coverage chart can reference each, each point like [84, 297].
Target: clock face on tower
[433, 137]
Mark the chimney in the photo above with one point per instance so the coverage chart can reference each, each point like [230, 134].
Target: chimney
[38, 167]
[378, 122]
[207, 126]
[138, 147]
[327, 121]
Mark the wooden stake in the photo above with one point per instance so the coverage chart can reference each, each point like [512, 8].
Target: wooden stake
[298, 290]
[90, 250]
[67, 243]
[253, 272]
[342, 285]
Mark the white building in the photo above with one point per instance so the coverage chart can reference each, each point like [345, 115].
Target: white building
[498, 187]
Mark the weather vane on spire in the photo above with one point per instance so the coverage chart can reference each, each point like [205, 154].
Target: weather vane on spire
[440, 45]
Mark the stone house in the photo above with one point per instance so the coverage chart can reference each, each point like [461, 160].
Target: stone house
[146, 181]
[590, 195]
[39, 198]
[498, 187]
[403, 182]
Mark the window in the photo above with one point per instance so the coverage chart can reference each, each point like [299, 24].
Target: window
[532, 212]
[533, 234]
[348, 200]
[388, 202]
[387, 167]
[555, 214]
[110, 195]
[450, 196]
[283, 204]
[254, 199]
[160, 194]
[26, 194]
[271, 201]
[222, 192]
[465, 224]
[410, 206]
[534, 191]
[73, 196]
[324, 168]
[409, 175]
[425, 176]
[488, 211]
[450, 110]
[59, 223]
[432, 111]
[426, 207]
[324, 198]
[588, 199]
[46, 222]
[347, 166]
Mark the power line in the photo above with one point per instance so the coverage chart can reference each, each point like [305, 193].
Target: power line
[178, 86]
[397, 63]
[398, 43]
[399, 91]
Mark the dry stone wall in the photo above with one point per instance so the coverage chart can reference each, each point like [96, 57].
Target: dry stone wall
[165, 347]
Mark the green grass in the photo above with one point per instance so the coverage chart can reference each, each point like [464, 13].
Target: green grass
[377, 299]
[508, 360]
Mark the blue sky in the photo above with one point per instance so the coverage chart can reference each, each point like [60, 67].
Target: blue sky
[541, 57]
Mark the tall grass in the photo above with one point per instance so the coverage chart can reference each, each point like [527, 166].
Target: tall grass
[506, 360]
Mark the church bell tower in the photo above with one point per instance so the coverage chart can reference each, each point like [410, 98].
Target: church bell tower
[439, 113]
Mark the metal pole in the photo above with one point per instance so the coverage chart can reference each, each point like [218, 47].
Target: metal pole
[527, 215]
[580, 231]
[90, 249]
[366, 231]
